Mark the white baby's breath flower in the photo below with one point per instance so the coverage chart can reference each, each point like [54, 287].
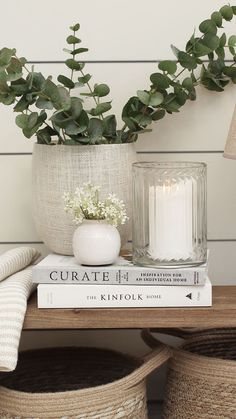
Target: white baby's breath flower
[85, 203]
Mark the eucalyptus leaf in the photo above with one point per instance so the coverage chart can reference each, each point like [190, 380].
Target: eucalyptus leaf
[75, 27]
[156, 99]
[19, 87]
[187, 83]
[216, 67]
[64, 98]
[95, 128]
[8, 99]
[171, 104]
[181, 97]
[22, 120]
[143, 96]
[220, 52]
[208, 26]
[169, 66]
[78, 51]
[143, 120]
[200, 49]
[14, 76]
[87, 94]
[5, 57]
[69, 51]
[61, 120]
[4, 88]
[72, 128]
[71, 39]
[222, 40]
[74, 65]
[44, 135]
[129, 121]
[14, 69]
[22, 105]
[227, 12]
[44, 104]
[230, 71]
[187, 61]
[109, 125]
[232, 41]
[66, 81]
[35, 81]
[84, 79]
[159, 80]
[3, 76]
[217, 18]
[76, 107]
[159, 114]
[101, 108]
[132, 107]
[83, 119]
[23, 61]
[211, 41]
[212, 84]
[175, 51]
[101, 90]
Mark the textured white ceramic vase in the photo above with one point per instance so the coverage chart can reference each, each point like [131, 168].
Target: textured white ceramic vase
[58, 169]
[95, 243]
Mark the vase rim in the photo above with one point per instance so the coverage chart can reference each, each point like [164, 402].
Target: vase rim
[169, 165]
[82, 146]
[86, 221]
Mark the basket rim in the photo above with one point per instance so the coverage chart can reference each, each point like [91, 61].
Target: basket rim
[129, 357]
[145, 365]
[199, 366]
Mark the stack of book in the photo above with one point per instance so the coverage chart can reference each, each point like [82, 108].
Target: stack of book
[63, 283]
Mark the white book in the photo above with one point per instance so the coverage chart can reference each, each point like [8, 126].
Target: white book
[89, 296]
[58, 269]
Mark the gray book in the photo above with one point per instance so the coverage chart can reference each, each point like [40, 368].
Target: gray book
[58, 269]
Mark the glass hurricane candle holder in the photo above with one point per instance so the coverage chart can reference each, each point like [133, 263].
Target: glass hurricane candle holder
[169, 214]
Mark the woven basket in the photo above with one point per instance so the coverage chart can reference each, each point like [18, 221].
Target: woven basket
[58, 169]
[201, 381]
[79, 383]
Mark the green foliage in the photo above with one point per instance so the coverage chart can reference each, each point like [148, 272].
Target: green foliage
[57, 112]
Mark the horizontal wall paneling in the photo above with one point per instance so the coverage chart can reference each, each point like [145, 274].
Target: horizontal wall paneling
[133, 30]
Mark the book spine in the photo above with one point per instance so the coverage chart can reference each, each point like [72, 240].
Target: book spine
[122, 276]
[54, 296]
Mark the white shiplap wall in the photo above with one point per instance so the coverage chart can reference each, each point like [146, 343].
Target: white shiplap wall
[126, 40]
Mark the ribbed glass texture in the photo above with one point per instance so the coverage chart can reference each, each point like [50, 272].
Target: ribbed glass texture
[169, 214]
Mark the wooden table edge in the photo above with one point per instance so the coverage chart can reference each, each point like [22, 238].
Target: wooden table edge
[221, 314]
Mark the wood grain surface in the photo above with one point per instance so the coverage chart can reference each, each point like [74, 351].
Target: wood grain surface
[221, 314]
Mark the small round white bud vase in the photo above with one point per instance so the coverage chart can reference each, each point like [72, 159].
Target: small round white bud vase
[95, 242]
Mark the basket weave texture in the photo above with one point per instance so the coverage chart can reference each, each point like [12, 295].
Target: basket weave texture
[201, 381]
[57, 169]
[78, 383]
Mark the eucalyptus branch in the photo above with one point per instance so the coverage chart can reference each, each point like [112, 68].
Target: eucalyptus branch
[91, 92]
[168, 92]
[72, 70]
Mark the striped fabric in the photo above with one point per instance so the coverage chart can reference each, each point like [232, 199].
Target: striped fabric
[15, 287]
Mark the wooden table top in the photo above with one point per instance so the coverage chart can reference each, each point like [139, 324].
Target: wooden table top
[221, 314]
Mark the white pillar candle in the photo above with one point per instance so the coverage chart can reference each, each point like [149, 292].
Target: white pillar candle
[170, 221]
